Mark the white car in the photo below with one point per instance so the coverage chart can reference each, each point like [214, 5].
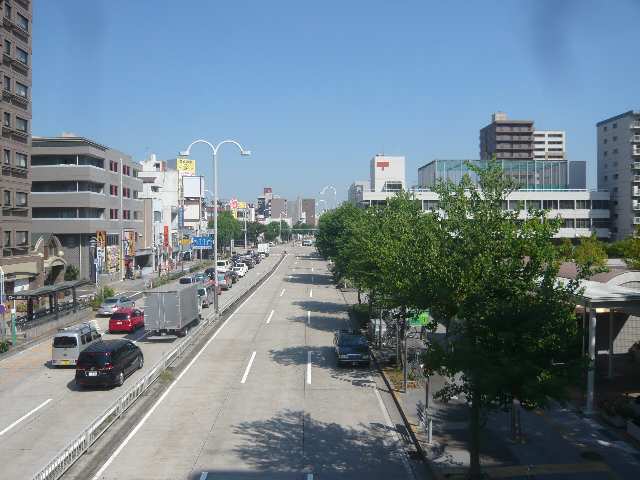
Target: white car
[223, 266]
[241, 270]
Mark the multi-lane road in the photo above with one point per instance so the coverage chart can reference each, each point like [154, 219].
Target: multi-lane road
[262, 398]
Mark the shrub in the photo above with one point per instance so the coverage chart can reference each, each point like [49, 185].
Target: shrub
[4, 346]
[71, 273]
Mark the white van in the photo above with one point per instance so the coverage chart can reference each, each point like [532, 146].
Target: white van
[70, 341]
[223, 266]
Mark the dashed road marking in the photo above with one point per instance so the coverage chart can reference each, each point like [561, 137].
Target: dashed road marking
[25, 416]
[270, 315]
[246, 372]
[308, 368]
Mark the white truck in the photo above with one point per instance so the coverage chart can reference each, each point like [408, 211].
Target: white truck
[169, 313]
[264, 248]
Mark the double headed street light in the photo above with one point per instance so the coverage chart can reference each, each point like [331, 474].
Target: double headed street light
[214, 149]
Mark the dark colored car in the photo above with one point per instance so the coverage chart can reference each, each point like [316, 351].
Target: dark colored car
[249, 262]
[234, 276]
[187, 279]
[351, 348]
[108, 363]
[126, 320]
[210, 272]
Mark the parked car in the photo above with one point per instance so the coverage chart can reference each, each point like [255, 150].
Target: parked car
[69, 342]
[249, 262]
[351, 348]
[126, 320]
[111, 304]
[186, 280]
[307, 243]
[108, 363]
[224, 280]
[241, 269]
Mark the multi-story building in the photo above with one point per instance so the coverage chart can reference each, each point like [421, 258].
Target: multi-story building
[308, 208]
[583, 212]
[619, 170]
[22, 268]
[507, 139]
[356, 189]
[160, 184]
[387, 173]
[263, 206]
[279, 208]
[549, 145]
[86, 193]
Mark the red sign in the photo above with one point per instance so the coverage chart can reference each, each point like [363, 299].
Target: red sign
[166, 235]
[382, 165]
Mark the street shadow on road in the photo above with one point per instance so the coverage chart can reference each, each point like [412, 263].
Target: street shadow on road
[324, 358]
[292, 441]
[309, 278]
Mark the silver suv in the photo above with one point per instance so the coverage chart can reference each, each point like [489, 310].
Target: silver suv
[110, 305]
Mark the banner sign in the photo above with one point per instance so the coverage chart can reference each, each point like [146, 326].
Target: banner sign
[166, 235]
[101, 238]
[201, 243]
[186, 167]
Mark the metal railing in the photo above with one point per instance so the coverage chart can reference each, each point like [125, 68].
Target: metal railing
[59, 464]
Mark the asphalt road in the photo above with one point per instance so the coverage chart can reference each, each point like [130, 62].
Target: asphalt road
[42, 409]
[264, 399]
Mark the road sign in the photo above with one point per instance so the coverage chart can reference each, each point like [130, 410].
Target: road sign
[201, 243]
[419, 320]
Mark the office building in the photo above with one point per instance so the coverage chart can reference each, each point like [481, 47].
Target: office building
[356, 190]
[278, 208]
[387, 173]
[263, 205]
[89, 194]
[507, 139]
[22, 268]
[619, 170]
[549, 145]
[308, 206]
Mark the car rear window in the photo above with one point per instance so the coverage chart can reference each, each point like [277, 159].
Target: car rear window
[352, 340]
[94, 359]
[185, 280]
[65, 342]
[120, 316]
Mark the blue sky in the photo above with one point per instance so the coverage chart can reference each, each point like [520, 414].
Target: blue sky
[315, 89]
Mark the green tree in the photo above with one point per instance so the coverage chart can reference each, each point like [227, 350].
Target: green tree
[510, 322]
[274, 230]
[631, 251]
[71, 273]
[228, 228]
[254, 230]
[565, 249]
[591, 255]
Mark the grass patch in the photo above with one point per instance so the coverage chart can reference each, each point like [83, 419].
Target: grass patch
[167, 376]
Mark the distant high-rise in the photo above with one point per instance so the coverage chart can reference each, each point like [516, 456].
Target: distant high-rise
[356, 189]
[549, 145]
[309, 211]
[279, 208]
[619, 170]
[506, 139]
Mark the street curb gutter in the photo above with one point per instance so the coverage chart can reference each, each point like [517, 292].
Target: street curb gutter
[59, 464]
[433, 471]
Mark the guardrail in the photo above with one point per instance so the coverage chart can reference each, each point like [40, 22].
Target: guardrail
[58, 465]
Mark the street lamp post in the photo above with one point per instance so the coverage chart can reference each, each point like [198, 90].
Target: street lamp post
[214, 149]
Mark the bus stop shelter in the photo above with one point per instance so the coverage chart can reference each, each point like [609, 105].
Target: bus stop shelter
[50, 291]
[597, 297]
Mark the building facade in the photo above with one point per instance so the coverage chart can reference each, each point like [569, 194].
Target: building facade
[356, 189]
[88, 194]
[22, 268]
[308, 208]
[619, 170]
[507, 139]
[278, 208]
[387, 173]
[549, 145]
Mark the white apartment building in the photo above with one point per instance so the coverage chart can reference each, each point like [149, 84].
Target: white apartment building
[161, 185]
[549, 145]
[619, 170]
[387, 173]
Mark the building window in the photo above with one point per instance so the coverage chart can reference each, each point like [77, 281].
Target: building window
[6, 198]
[7, 157]
[568, 223]
[583, 204]
[605, 128]
[534, 204]
[605, 141]
[7, 47]
[606, 153]
[114, 190]
[6, 119]
[550, 204]
[606, 178]
[136, 194]
[22, 238]
[21, 199]
[113, 166]
[22, 56]
[600, 222]
[113, 213]
[615, 177]
[7, 83]
[615, 138]
[23, 22]
[615, 125]
[615, 150]
[600, 204]
[22, 124]
[21, 160]
[7, 239]
[7, 11]
[22, 90]
[126, 214]
[582, 223]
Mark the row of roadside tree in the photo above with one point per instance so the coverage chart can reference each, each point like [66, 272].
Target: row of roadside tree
[488, 275]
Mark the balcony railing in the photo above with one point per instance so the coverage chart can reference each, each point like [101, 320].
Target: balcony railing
[635, 151]
[636, 178]
[636, 206]
[635, 165]
[635, 125]
[635, 139]
[636, 220]
[636, 192]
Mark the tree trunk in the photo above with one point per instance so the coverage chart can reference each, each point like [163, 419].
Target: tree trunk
[474, 446]
[359, 297]
[516, 424]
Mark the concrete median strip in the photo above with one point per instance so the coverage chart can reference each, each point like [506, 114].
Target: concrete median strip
[246, 372]
[24, 417]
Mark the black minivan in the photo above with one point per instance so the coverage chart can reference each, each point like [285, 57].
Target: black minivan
[108, 362]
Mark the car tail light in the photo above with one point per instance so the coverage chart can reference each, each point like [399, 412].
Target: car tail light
[107, 366]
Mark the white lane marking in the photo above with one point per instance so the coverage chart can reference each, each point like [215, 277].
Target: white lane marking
[282, 292]
[308, 317]
[26, 415]
[140, 337]
[136, 293]
[311, 293]
[311, 269]
[392, 428]
[308, 368]
[246, 372]
[270, 315]
[204, 475]
[175, 382]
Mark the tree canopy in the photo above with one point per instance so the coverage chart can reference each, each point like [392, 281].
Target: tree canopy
[228, 227]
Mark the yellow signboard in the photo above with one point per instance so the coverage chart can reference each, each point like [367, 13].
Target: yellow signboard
[242, 205]
[185, 241]
[186, 166]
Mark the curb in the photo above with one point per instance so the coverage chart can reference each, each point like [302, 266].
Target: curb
[436, 474]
